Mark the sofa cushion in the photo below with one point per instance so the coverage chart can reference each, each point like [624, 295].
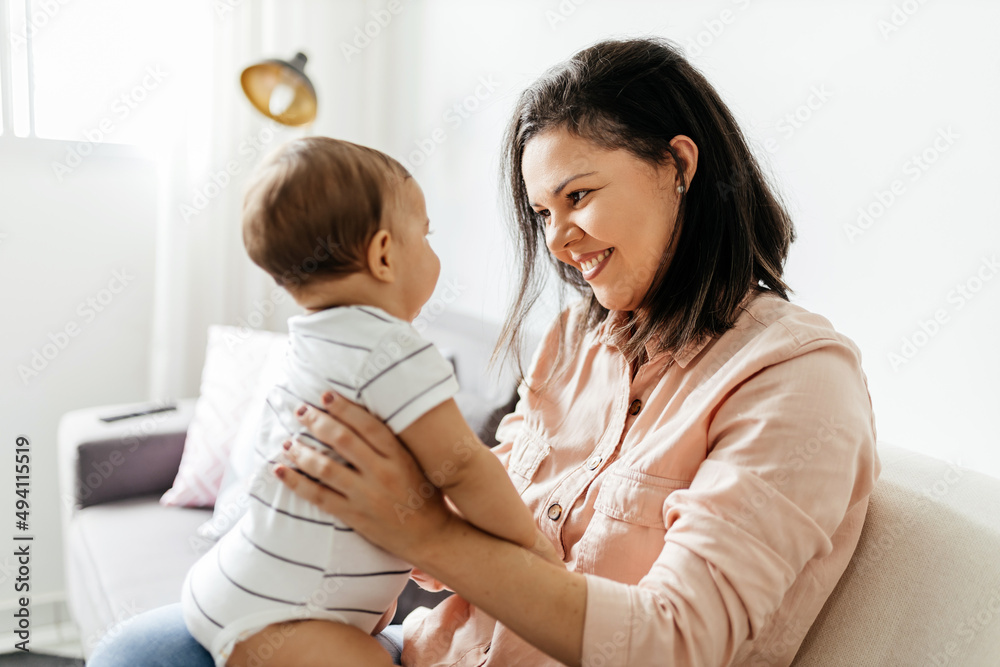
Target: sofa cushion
[126, 557]
[923, 587]
[233, 363]
[104, 461]
[232, 501]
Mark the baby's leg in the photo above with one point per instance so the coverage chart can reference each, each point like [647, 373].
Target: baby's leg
[309, 643]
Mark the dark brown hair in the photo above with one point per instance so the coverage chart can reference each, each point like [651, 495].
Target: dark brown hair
[314, 205]
[732, 232]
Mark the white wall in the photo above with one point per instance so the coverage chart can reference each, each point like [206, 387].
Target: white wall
[76, 254]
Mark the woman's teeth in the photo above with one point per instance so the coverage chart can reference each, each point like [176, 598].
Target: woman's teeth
[591, 263]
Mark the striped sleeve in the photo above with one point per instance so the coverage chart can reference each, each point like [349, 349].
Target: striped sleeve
[403, 377]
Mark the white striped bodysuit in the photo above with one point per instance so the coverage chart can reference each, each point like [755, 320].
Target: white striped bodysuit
[286, 559]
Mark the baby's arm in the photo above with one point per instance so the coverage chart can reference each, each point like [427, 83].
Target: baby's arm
[456, 461]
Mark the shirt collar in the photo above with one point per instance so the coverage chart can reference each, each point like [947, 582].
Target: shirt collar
[617, 318]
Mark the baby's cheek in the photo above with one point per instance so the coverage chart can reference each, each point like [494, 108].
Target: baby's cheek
[436, 270]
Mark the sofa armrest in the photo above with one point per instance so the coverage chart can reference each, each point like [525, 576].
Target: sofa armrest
[100, 462]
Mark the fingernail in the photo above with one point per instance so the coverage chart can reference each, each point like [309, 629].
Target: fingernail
[286, 445]
[280, 472]
[328, 397]
[301, 411]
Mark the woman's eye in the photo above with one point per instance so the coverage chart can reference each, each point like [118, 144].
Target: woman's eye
[544, 213]
[576, 196]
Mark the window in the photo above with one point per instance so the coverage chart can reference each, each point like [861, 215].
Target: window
[103, 71]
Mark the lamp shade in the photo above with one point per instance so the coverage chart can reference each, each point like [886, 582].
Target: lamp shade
[281, 90]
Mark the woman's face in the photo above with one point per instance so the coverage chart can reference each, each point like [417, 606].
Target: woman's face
[607, 213]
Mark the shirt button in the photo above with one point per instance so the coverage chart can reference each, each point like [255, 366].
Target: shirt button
[555, 511]
[594, 462]
[635, 407]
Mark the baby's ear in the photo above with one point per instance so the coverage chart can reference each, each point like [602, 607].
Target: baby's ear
[380, 260]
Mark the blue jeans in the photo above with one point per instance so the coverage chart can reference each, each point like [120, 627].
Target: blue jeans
[159, 638]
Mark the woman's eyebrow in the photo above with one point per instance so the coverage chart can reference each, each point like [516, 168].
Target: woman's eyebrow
[566, 182]
[571, 178]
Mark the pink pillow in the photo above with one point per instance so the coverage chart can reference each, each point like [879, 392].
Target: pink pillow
[233, 364]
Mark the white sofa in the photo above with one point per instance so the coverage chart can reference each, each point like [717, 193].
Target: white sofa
[923, 587]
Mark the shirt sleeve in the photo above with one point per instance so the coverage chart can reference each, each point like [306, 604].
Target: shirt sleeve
[791, 450]
[403, 377]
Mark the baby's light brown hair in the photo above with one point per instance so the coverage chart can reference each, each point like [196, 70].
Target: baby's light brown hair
[314, 205]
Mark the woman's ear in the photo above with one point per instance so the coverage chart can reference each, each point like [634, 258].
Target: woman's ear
[687, 151]
[380, 257]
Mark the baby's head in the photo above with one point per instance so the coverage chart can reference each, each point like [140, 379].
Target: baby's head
[335, 223]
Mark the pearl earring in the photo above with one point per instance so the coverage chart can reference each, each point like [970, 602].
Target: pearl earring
[680, 189]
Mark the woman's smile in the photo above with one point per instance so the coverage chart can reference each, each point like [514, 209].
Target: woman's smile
[593, 263]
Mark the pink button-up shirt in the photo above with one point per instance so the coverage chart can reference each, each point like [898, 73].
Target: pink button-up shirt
[712, 501]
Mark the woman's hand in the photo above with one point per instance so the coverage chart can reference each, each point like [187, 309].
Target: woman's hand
[385, 496]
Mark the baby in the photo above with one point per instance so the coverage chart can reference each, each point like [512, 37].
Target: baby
[343, 228]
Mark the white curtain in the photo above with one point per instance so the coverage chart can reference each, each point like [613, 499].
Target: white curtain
[203, 274]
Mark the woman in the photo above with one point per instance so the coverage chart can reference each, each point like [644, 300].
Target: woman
[699, 451]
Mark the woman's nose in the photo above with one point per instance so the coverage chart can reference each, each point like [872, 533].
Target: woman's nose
[560, 233]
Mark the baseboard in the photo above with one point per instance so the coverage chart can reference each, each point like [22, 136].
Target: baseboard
[52, 628]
